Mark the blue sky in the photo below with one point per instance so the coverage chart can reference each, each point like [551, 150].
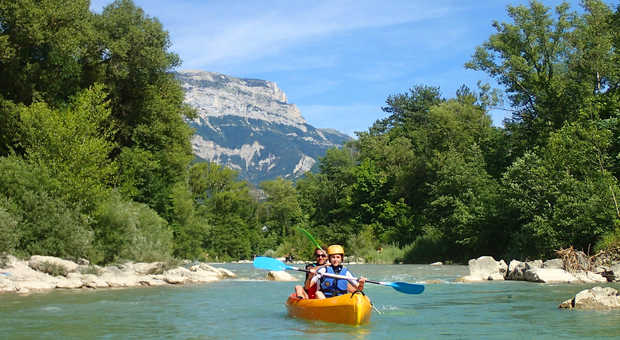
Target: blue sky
[337, 61]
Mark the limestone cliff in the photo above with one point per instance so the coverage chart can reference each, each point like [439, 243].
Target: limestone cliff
[248, 125]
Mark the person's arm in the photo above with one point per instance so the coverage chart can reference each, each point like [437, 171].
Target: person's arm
[316, 277]
[355, 285]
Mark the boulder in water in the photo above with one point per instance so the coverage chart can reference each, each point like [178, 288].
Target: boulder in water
[280, 275]
[598, 298]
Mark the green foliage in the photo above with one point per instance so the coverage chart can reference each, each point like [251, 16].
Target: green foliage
[225, 225]
[609, 240]
[48, 224]
[9, 226]
[388, 254]
[130, 230]
[95, 153]
[162, 267]
[427, 248]
[52, 227]
[53, 269]
[73, 143]
[90, 269]
[564, 196]
[365, 245]
[43, 44]
[281, 209]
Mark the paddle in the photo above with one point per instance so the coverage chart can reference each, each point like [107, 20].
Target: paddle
[305, 232]
[269, 263]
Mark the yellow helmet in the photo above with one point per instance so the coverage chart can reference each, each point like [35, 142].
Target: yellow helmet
[335, 249]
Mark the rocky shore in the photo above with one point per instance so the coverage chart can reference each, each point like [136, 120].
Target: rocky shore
[574, 267]
[552, 271]
[41, 273]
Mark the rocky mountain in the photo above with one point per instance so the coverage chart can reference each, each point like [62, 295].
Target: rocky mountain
[248, 125]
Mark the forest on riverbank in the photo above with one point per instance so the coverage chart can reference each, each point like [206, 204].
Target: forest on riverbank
[96, 162]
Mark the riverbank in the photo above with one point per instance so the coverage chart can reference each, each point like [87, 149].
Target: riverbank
[41, 273]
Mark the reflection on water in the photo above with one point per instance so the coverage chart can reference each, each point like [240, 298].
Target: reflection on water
[318, 329]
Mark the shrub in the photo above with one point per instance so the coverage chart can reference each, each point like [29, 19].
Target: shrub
[609, 240]
[429, 247]
[52, 227]
[362, 244]
[4, 260]
[53, 269]
[45, 223]
[9, 230]
[386, 255]
[90, 269]
[161, 267]
[130, 230]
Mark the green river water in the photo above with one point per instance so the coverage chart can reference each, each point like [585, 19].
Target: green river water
[251, 308]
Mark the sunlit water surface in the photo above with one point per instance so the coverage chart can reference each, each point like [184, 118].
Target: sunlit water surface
[251, 308]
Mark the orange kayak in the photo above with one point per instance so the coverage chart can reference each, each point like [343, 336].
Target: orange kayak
[351, 309]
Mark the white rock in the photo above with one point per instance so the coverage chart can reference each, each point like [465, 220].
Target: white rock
[198, 276]
[142, 268]
[120, 279]
[280, 276]
[93, 281]
[437, 264]
[550, 275]
[6, 285]
[516, 269]
[589, 277]
[38, 262]
[26, 286]
[554, 263]
[225, 273]
[66, 283]
[486, 268]
[616, 270]
[598, 298]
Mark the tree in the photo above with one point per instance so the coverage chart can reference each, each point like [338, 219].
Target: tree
[281, 206]
[132, 59]
[563, 195]
[74, 142]
[549, 65]
[43, 47]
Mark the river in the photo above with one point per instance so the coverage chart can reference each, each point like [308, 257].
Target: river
[251, 308]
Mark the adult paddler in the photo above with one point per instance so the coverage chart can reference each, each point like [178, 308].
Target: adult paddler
[329, 286]
[306, 291]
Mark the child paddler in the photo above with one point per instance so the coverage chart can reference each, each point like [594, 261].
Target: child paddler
[329, 286]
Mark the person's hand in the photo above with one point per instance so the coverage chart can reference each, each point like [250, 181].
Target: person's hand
[360, 283]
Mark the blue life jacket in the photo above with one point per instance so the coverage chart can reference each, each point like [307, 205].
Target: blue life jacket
[331, 286]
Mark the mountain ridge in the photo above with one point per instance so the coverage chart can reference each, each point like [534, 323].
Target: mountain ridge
[248, 125]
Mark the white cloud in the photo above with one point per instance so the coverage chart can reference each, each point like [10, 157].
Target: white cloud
[266, 30]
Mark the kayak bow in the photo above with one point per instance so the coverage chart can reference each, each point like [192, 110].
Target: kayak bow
[350, 309]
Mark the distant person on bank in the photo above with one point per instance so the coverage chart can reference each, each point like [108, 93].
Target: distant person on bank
[329, 286]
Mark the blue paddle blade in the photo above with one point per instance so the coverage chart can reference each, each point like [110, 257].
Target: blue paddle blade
[407, 288]
[268, 263]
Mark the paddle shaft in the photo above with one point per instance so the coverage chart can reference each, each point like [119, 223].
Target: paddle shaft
[269, 263]
[335, 276]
